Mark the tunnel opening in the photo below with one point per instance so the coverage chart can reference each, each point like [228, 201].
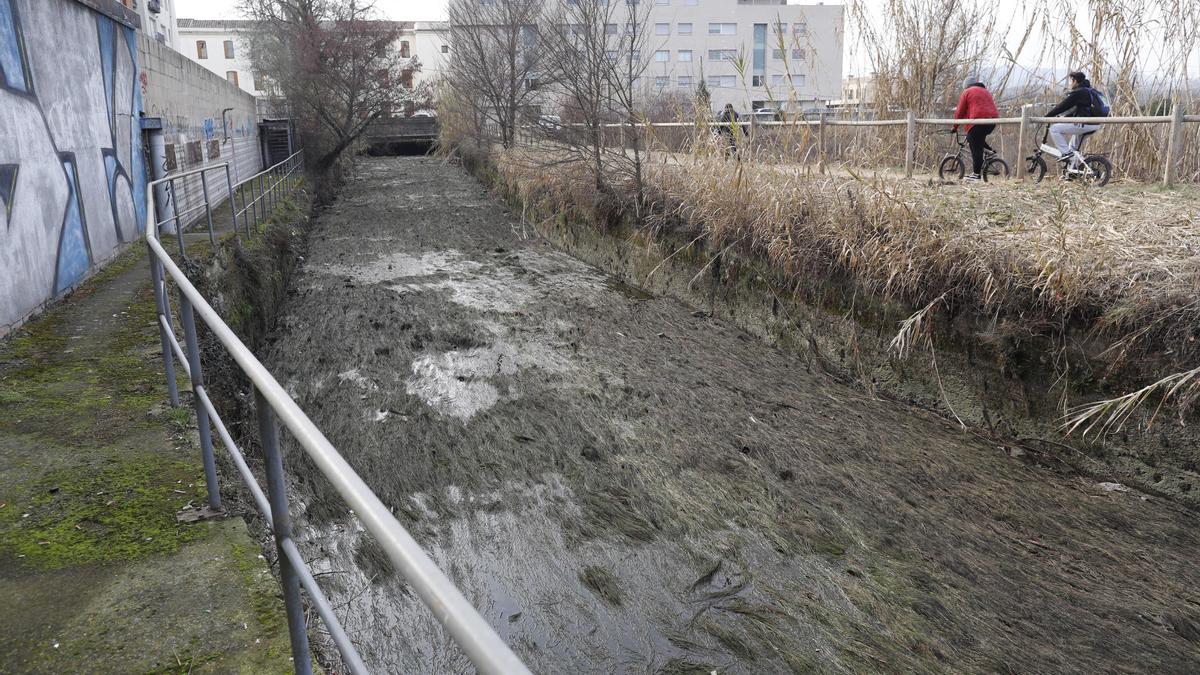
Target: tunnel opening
[402, 148]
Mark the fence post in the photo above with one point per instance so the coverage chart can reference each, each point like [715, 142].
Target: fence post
[1174, 141]
[161, 312]
[232, 204]
[282, 526]
[212, 239]
[1022, 134]
[910, 144]
[821, 144]
[188, 318]
[178, 226]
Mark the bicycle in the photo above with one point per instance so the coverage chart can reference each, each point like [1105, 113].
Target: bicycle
[956, 162]
[1091, 170]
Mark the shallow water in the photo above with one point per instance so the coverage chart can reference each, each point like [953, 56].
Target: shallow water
[621, 485]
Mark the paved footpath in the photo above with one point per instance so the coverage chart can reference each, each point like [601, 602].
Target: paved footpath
[96, 572]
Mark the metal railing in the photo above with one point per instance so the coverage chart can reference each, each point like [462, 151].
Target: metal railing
[473, 634]
[264, 190]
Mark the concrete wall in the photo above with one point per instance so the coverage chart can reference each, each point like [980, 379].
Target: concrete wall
[189, 100]
[72, 172]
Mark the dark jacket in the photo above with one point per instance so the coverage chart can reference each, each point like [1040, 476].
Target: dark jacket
[1078, 103]
[727, 116]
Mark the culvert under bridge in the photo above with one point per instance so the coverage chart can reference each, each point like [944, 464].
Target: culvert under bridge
[622, 484]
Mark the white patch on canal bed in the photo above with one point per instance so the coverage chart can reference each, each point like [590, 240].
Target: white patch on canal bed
[456, 383]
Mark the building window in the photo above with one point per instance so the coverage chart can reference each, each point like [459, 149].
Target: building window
[201, 49]
[231, 75]
[404, 49]
[611, 55]
[260, 82]
[610, 29]
[716, 81]
[799, 29]
[685, 55]
[685, 29]
[445, 49]
[797, 80]
[797, 54]
[722, 29]
[662, 29]
[685, 81]
[406, 79]
[662, 2]
[758, 81]
[662, 55]
[722, 55]
[691, 3]
[777, 54]
[661, 81]
[229, 49]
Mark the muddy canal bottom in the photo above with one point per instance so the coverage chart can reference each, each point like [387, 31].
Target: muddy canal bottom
[622, 484]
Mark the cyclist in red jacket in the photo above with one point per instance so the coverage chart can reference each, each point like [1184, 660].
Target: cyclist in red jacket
[976, 103]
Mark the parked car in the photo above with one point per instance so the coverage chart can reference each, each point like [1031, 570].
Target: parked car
[550, 121]
[425, 113]
[768, 115]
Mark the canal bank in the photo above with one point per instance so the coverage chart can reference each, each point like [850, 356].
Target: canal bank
[622, 482]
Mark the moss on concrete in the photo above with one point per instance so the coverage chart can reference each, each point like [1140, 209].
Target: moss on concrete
[121, 507]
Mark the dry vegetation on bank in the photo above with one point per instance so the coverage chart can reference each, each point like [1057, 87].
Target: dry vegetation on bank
[1118, 268]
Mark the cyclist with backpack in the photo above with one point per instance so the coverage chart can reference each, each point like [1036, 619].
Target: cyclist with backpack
[1081, 101]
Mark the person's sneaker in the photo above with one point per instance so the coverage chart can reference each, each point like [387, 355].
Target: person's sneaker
[972, 177]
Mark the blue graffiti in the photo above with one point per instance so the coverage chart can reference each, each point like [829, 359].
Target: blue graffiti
[12, 62]
[73, 256]
[137, 166]
[210, 128]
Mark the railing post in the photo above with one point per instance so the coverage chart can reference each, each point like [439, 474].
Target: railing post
[1022, 134]
[212, 239]
[282, 526]
[161, 312]
[188, 318]
[178, 226]
[250, 183]
[232, 204]
[1174, 141]
[821, 144]
[910, 144]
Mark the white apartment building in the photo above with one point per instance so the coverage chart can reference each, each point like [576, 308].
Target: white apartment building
[220, 46]
[790, 55]
[158, 18]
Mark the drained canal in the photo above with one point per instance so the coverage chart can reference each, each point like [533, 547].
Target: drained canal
[622, 484]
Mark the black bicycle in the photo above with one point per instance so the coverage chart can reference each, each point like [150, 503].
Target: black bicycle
[954, 164]
[1091, 170]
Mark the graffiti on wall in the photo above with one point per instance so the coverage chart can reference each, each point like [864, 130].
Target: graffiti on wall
[72, 169]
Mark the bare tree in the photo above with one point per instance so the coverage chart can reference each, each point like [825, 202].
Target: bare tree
[495, 66]
[921, 49]
[336, 64]
[594, 60]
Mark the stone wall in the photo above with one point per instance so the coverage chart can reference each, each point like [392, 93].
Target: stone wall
[205, 119]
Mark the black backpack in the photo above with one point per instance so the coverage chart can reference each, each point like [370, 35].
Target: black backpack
[1100, 106]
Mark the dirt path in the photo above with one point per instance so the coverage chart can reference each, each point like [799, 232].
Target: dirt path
[622, 484]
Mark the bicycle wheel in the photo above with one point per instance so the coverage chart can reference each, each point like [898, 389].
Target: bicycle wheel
[1096, 171]
[1036, 168]
[996, 168]
[951, 168]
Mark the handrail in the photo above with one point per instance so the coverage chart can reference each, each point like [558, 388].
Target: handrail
[478, 640]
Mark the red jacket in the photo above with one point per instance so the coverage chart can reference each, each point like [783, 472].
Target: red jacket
[975, 103]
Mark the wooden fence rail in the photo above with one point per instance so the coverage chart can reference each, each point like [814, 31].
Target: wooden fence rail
[1171, 157]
